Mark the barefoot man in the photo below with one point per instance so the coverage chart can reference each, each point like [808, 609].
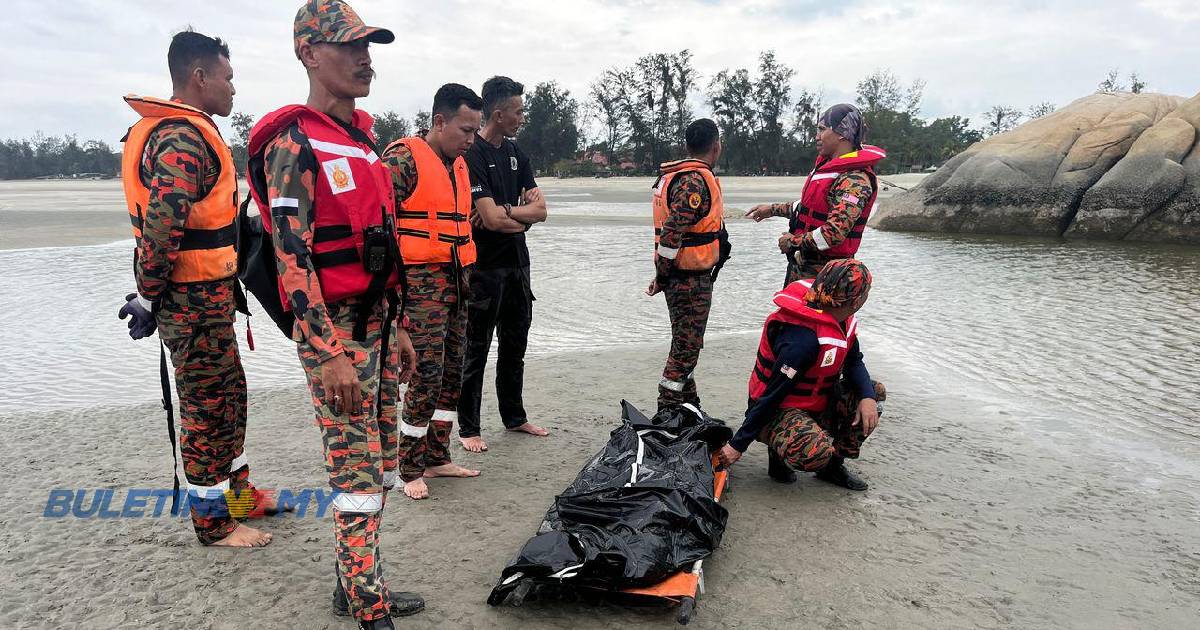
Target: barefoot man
[507, 204]
[181, 187]
[433, 191]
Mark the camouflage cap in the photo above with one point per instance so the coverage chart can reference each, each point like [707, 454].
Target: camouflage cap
[840, 282]
[334, 22]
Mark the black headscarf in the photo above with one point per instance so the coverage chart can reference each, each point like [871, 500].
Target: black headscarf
[846, 121]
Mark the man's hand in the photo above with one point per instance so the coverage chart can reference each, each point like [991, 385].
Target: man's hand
[342, 391]
[653, 289]
[408, 356]
[141, 320]
[760, 212]
[531, 196]
[867, 416]
[728, 456]
[785, 242]
[477, 219]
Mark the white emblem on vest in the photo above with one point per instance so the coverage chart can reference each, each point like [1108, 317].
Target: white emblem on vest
[830, 356]
[512, 161]
[338, 173]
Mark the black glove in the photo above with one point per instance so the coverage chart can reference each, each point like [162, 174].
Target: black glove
[141, 319]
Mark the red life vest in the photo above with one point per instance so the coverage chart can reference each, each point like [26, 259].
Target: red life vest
[352, 192]
[812, 390]
[813, 209]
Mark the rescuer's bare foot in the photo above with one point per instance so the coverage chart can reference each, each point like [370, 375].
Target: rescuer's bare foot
[244, 536]
[474, 444]
[416, 489]
[450, 470]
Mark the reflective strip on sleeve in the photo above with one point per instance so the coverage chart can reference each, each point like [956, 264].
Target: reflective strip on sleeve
[819, 239]
[445, 415]
[358, 503]
[285, 202]
[239, 462]
[667, 252]
[831, 341]
[412, 430]
[344, 150]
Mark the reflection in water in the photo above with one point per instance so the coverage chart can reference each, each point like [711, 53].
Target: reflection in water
[1105, 331]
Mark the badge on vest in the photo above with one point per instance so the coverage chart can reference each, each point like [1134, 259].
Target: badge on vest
[829, 358]
[338, 173]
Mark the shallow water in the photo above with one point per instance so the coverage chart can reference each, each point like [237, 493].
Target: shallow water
[1076, 336]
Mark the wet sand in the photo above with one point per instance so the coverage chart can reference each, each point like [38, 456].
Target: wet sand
[975, 519]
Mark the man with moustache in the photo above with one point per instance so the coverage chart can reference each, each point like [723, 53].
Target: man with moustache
[433, 191]
[326, 198]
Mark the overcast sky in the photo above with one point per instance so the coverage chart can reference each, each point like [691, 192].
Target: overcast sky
[69, 62]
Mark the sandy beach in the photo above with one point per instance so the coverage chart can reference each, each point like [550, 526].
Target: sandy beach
[981, 522]
[1024, 475]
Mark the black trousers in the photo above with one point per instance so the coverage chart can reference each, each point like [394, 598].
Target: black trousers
[501, 304]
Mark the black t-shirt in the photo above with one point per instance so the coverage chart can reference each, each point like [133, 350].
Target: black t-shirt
[500, 173]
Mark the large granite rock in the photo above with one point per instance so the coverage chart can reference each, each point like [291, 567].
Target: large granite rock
[1106, 166]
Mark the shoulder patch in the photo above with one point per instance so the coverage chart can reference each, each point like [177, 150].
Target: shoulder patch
[694, 200]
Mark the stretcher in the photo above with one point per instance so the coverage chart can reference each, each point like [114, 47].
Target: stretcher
[555, 563]
[685, 587]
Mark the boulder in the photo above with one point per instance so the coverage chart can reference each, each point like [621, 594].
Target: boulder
[1106, 166]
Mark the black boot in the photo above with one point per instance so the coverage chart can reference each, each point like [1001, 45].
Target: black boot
[383, 623]
[403, 603]
[778, 469]
[837, 474]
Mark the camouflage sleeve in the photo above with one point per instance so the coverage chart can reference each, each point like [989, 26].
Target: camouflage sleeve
[175, 159]
[291, 171]
[847, 199]
[688, 200]
[399, 160]
[784, 209]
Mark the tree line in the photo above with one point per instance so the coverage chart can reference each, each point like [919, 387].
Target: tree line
[633, 118]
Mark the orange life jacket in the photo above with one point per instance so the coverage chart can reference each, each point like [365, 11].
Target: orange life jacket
[701, 248]
[206, 252]
[434, 222]
[813, 210]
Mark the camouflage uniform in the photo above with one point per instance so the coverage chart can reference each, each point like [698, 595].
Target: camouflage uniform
[688, 293]
[195, 322]
[353, 442]
[806, 441]
[843, 213]
[437, 327]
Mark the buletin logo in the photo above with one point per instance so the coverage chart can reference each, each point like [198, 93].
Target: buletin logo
[338, 173]
[830, 356]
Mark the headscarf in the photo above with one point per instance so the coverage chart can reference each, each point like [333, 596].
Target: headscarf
[840, 282]
[846, 121]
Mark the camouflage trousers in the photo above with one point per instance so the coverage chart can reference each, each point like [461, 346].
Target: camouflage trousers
[211, 386]
[438, 331]
[807, 441]
[354, 460]
[689, 299]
